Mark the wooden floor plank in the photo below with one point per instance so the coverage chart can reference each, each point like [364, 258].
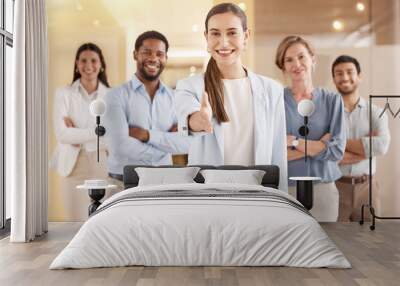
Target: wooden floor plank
[374, 255]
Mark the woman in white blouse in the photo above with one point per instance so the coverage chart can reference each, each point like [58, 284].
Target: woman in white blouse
[236, 116]
[75, 157]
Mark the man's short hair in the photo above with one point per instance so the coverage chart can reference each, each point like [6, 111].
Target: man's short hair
[346, 59]
[151, 35]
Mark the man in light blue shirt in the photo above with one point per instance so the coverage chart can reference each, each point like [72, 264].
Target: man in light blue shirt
[140, 120]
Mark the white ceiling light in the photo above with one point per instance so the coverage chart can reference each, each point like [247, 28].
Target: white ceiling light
[195, 28]
[96, 23]
[242, 6]
[338, 25]
[78, 5]
[360, 7]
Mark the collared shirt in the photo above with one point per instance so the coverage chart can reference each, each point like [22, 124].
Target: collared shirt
[73, 102]
[357, 127]
[87, 98]
[328, 117]
[129, 105]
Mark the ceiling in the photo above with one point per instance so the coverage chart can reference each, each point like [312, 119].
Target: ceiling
[308, 16]
[379, 21]
[174, 18]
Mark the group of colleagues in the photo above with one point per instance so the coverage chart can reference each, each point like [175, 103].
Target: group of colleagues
[232, 116]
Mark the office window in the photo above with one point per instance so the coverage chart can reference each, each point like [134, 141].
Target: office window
[9, 15]
[8, 74]
[6, 45]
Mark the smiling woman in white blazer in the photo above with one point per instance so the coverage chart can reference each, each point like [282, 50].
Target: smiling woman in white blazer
[75, 157]
[236, 116]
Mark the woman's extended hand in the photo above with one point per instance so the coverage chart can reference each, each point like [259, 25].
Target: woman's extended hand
[201, 120]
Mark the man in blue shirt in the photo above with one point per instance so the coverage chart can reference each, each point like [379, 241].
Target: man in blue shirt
[140, 120]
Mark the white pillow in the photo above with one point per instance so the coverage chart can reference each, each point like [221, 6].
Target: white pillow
[165, 176]
[248, 177]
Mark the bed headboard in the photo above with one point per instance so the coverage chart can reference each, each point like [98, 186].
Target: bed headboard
[270, 179]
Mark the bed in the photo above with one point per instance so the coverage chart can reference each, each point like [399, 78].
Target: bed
[198, 224]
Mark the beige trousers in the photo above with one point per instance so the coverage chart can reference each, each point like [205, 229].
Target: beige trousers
[325, 203]
[352, 197]
[76, 201]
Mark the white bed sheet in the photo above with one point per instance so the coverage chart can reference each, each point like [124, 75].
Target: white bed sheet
[200, 231]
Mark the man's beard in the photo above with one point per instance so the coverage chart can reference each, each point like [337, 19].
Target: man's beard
[147, 76]
[347, 92]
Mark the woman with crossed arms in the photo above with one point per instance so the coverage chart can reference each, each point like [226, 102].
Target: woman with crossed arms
[75, 158]
[326, 139]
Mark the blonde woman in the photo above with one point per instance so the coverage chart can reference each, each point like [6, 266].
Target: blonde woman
[75, 157]
[327, 137]
[235, 116]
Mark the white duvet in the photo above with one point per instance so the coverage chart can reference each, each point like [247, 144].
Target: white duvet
[200, 231]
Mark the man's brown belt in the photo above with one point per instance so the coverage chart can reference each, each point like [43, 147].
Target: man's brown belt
[354, 179]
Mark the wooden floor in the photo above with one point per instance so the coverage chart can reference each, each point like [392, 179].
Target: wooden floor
[374, 255]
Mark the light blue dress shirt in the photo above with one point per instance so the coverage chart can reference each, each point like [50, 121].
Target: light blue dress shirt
[269, 124]
[328, 117]
[129, 105]
[357, 127]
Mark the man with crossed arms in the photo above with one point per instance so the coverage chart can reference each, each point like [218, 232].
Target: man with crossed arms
[353, 186]
[140, 120]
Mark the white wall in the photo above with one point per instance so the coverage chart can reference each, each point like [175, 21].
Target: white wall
[385, 80]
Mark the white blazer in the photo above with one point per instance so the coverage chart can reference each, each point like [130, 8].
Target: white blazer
[70, 102]
[269, 118]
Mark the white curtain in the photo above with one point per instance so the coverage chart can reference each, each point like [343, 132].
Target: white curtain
[28, 122]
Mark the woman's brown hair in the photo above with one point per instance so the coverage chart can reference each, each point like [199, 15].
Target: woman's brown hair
[213, 77]
[102, 76]
[286, 44]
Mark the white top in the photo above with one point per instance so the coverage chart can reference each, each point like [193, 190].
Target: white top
[87, 120]
[73, 101]
[78, 110]
[75, 105]
[357, 127]
[238, 102]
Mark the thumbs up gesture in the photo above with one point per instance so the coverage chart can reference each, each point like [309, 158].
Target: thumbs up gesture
[201, 120]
